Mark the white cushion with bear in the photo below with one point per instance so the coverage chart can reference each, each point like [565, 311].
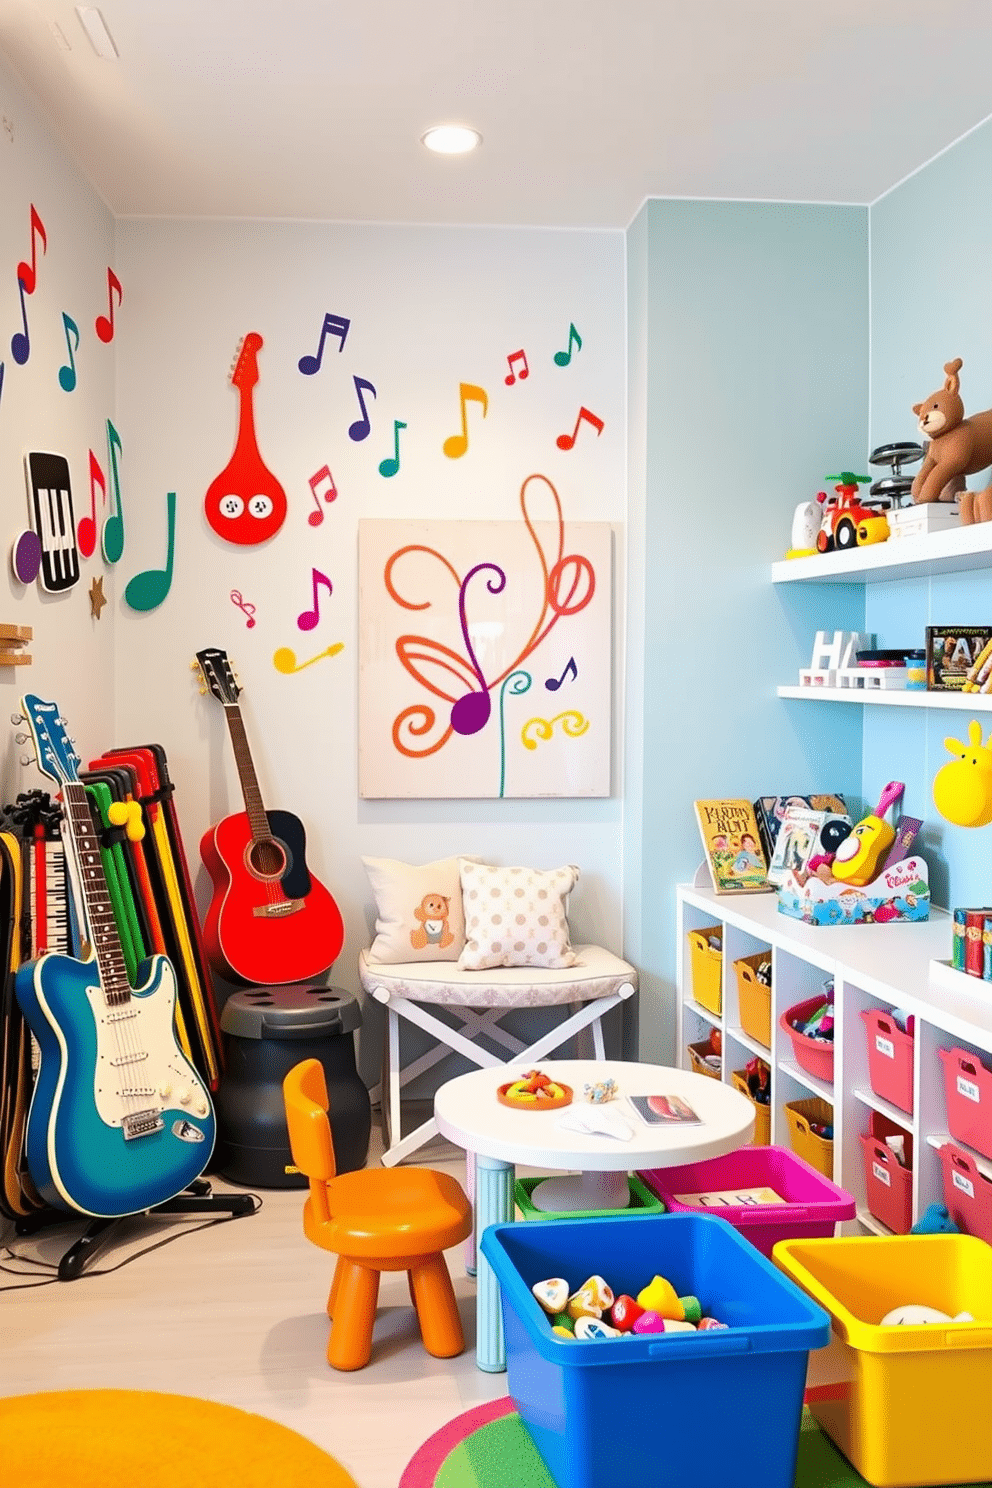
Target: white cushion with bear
[418, 910]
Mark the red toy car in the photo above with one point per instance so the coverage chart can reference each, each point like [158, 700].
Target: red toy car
[846, 523]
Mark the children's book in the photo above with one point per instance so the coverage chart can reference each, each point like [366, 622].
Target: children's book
[730, 1198]
[770, 811]
[664, 1110]
[796, 842]
[734, 856]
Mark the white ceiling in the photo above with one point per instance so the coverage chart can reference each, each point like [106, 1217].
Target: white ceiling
[314, 108]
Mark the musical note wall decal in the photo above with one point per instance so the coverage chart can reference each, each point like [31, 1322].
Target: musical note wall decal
[1, 380]
[323, 475]
[553, 683]
[104, 324]
[562, 358]
[361, 428]
[390, 466]
[50, 500]
[520, 357]
[25, 556]
[308, 619]
[566, 441]
[27, 273]
[67, 374]
[572, 725]
[284, 660]
[112, 536]
[247, 609]
[334, 325]
[86, 530]
[147, 590]
[20, 342]
[456, 446]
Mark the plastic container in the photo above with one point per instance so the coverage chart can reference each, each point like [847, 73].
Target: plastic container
[815, 1056]
[890, 1058]
[754, 998]
[642, 1201]
[762, 1113]
[691, 1407]
[696, 1059]
[707, 966]
[908, 1404]
[968, 1088]
[809, 1145]
[888, 1185]
[813, 1204]
[967, 1192]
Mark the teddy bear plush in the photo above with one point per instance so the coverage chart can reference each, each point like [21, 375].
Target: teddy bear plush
[432, 912]
[958, 446]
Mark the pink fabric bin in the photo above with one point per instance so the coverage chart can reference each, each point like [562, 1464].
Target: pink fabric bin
[968, 1088]
[967, 1192]
[890, 1059]
[813, 1205]
[815, 1056]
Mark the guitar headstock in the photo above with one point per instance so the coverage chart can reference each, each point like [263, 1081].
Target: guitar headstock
[244, 373]
[56, 755]
[215, 672]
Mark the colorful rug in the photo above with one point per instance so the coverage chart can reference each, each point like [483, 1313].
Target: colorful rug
[488, 1447]
[141, 1439]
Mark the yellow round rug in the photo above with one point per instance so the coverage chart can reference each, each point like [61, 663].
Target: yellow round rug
[92, 1438]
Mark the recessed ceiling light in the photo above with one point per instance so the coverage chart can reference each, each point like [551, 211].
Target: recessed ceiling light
[451, 139]
[95, 27]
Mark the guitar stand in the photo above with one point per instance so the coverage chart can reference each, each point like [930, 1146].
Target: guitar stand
[197, 1199]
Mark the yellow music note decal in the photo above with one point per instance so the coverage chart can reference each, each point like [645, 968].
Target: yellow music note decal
[456, 446]
[285, 660]
[573, 724]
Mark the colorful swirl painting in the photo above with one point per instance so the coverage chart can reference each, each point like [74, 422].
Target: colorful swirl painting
[458, 620]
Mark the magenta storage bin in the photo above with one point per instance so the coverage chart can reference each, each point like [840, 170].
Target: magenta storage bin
[888, 1185]
[968, 1088]
[890, 1059]
[967, 1192]
[813, 1204]
[813, 1055]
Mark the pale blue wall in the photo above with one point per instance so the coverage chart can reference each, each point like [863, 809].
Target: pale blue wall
[755, 384]
[931, 301]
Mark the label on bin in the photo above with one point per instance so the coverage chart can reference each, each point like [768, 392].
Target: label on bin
[881, 1174]
[964, 1184]
[969, 1090]
[885, 1046]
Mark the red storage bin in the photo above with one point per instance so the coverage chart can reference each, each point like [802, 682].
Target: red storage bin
[890, 1059]
[888, 1185]
[967, 1192]
[968, 1088]
[815, 1056]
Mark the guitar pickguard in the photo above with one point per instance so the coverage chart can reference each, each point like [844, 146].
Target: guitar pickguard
[139, 1067]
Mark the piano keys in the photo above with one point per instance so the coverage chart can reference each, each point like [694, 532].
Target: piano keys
[50, 502]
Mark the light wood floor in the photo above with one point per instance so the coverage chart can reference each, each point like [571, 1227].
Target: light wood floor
[236, 1314]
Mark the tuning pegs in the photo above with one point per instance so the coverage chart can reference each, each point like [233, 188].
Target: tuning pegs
[17, 718]
[28, 759]
[21, 738]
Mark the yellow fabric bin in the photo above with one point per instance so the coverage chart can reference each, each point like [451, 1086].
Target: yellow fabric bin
[707, 966]
[762, 1113]
[754, 998]
[816, 1150]
[910, 1403]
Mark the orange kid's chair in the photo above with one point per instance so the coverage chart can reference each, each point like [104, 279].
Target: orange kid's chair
[378, 1219]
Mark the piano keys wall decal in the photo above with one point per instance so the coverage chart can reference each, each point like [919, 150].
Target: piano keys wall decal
[47, 550]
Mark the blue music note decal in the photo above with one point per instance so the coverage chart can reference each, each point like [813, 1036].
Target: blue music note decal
[361, 428]
[20, 342]
[553, 683]
[334, 325]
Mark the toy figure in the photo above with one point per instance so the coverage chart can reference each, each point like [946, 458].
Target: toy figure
[958, 446]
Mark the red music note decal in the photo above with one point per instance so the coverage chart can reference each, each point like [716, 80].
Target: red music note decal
[456, 446]
[565, 441]
[248, 609]
[27, 273]
[517, 356]
[334, 325]
[361, 428]
[309, 618]
[553, 683]
[20, 341]
[104, 324]
[86, 527]
[323, 474]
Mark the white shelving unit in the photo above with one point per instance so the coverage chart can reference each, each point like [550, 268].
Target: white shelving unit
[974, 702]
[873, 967]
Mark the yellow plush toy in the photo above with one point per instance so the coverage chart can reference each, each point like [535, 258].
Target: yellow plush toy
[962, 789]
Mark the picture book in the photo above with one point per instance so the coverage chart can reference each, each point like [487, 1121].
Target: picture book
[770, 811]
[734, 857]
[664, 1110]
[795, 843]
[955, 656]
[730, 1198]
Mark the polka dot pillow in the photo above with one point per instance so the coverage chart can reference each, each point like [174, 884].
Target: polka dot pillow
[515, 916]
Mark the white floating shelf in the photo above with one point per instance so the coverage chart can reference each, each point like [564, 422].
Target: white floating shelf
[953, 551]
[975, 702]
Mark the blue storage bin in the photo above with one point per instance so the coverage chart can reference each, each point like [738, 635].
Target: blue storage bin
[694, 1410]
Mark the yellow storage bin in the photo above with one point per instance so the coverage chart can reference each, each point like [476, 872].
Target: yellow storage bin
[908, 1402]
[697, 1058]
[809, 1145]
[754, 999]
[707, 964]
[762, 1114]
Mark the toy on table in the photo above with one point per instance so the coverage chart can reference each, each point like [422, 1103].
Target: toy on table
[935, 1220]
[601, 1091]
[958, 446]
[911, 1315]
[962, 789]
[859, 856]
[535, 1092]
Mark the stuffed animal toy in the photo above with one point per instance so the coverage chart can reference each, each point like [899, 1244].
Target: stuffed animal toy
[976, 506]
[935, 1220]
[958, 446]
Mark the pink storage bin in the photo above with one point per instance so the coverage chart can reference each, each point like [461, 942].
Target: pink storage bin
[968, 1088]
[967, 1192]
[890, 1059]
[813, 1204]
[813, 1055]
[888, 1185]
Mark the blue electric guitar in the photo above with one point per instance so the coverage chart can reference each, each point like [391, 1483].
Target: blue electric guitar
[120, 1120]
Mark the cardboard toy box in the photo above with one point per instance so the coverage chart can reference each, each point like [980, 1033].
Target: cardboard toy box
[900, 892]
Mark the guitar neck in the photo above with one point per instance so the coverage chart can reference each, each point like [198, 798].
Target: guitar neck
[254, 808]
[96, 895]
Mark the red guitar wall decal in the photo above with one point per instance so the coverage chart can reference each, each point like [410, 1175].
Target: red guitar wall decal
[245, 504]
[269, 919]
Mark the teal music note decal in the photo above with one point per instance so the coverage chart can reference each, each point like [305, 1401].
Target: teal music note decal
[517, 683]
[562, 358]
[112, 536]
[67, 374]
[389, 466]
[147, 590]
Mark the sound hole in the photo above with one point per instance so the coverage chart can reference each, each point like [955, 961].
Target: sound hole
[267, 858]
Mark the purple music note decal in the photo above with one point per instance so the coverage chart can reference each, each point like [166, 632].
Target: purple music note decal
[309, 618]
[521, 357]
[553, 683]
[391, 465]
[361, 428]
[1, 379]
[20, 342]
[334, 325]
[562, 358]
[566, 441]
[470, 713]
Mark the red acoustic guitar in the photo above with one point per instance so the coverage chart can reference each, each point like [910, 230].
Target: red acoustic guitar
[269, 920]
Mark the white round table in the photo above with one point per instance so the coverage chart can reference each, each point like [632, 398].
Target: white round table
[497, 1137]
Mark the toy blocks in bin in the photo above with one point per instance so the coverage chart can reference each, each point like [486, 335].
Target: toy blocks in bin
[762, 1111]
[909, 1401]
[900, 892]
[890, 1058]
[815, 1056]
[754, 996]
[808, 1144]
[605, 1411]
[807, 1205]
[967, 1192]
[888, 1182]
[707, 966]
[968, 1092]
